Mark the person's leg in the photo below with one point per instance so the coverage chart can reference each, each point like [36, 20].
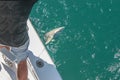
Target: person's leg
[22, 53]
[7, 47]
[22, 71]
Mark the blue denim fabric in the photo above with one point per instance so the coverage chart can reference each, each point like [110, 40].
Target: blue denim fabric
[21, 53]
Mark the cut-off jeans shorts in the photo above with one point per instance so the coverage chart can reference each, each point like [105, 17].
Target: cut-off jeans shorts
[21, 53]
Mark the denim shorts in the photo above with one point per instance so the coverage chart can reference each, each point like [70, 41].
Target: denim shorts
[22, 52]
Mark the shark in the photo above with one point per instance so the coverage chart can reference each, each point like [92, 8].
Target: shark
[51, 34]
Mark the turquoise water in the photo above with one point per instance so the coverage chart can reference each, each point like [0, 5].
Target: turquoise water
[89, 46]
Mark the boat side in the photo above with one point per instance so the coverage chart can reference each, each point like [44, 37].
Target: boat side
[40, 64]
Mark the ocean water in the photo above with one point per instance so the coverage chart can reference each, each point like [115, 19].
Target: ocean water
[89, 46]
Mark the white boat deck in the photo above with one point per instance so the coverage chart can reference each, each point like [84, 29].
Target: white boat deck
[47, 72]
